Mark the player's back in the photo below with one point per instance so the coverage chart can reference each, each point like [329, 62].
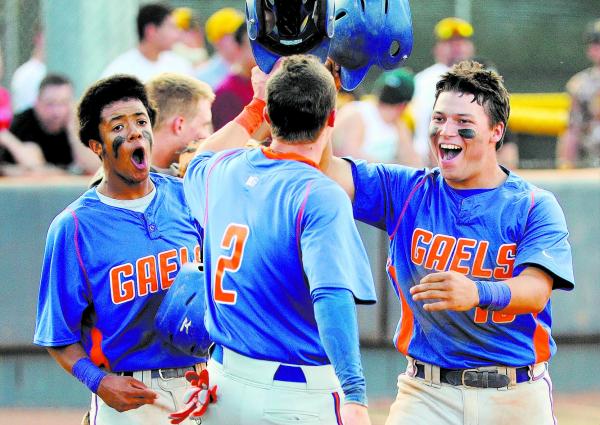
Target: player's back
[266, 248]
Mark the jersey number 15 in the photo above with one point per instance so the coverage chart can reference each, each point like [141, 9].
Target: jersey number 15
[234, 240]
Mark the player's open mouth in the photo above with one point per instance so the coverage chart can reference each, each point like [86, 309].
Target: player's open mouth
[449, 152]
[138, 158]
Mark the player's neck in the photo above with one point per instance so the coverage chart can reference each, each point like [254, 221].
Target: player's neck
[485, 179]
[116, 187]
[308, 150]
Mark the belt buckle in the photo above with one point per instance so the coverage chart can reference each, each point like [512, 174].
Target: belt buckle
[462, 376]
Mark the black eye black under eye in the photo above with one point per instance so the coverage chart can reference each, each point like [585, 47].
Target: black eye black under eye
[466, 133]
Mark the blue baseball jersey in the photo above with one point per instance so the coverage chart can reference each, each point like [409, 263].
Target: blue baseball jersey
[105, 273]
[275, 228]
[488, 235]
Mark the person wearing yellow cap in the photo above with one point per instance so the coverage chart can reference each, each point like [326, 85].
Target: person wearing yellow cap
[220, 31]
[191, 43]
[453, 44]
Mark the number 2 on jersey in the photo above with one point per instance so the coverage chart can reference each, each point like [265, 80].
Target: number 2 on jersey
[234, 239]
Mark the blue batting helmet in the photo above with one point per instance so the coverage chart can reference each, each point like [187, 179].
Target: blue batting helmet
[180, 317]
[286, 27]
[370, 32]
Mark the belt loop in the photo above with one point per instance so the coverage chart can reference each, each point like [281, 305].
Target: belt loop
[432, 375]
[147, 377]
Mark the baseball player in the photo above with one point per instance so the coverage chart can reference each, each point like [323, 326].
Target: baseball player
[284, 263]
[110, 256]
[475, 252]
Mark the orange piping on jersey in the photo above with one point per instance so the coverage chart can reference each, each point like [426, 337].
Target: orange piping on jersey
[541, 342]
[271, 154]
[96, 354]
[406, 319]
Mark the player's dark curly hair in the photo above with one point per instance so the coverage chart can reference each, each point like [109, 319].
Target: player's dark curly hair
[105, 92]
[485, 85]
[300, 96]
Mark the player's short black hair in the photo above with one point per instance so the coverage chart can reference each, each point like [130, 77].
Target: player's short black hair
[240, 34]
[54, 80]
[153, 13]
[103, 93]
[300, 96]
[485, 85]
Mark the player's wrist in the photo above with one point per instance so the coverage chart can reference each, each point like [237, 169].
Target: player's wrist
[251, 116]
[359, 398]
[493, 296]
[88, 373]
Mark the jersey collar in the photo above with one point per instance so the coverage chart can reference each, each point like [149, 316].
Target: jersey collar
[271, 154]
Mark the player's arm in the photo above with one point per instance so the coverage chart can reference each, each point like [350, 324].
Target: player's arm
[335, 314]
[527, 293]
[236, 133]
[119, 392]
[339, 170]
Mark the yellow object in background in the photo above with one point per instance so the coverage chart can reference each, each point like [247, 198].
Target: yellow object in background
[544, 114]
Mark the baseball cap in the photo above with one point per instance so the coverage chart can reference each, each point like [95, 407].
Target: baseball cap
[223, 22]
[451, 27]
[592, 33]
[184, 18]
[394, 87]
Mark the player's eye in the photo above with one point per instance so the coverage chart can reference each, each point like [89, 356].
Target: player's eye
[142, 122]
[117, 127]
[437, 118]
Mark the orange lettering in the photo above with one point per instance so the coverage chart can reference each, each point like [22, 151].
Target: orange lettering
[167, 267]
[235, 237]
[197, 255]
[121, 290]
[478, 270]
[460, 254]
[417, 253]
[439, 252]
[183, 255]
[146, 274]
[505, 261]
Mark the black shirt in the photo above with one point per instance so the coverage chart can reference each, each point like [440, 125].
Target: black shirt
[56, 147]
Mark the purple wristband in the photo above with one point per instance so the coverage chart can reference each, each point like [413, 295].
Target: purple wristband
[493, 296]
[88, 373]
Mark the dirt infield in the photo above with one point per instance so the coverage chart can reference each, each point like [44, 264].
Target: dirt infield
[571, 409]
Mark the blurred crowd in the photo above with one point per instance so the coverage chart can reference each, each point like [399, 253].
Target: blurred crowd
[38, 130]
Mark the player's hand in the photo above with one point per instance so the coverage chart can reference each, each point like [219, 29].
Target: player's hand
[449, 290]
[355, 414]
[124, 393]
[259, 83]
[334, 68]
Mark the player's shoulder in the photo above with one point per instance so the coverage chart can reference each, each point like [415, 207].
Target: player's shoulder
[81, 209]
[519, 189]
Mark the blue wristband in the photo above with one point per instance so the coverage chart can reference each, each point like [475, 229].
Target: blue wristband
[88, 373]
[493, 296]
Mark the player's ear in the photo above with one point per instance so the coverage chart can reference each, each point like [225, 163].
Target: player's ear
[96, 147]
[177, 124]
[331, 119]
[497, 132]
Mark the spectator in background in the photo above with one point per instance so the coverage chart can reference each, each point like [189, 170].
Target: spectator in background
[27, 77]
[51, 125]
[235, 91]
[220, 29]
[374, 131]
[25, 157]
[453, 44]
[580, 144]
[157, 33]
[191, 42]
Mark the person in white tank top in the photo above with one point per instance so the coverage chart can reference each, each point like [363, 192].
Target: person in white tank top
[373, 130]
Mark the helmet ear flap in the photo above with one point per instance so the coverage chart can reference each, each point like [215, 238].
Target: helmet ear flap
[367, 33]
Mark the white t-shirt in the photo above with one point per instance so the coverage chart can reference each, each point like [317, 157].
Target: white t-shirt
[381, 138]
[25, 84]
[422, 105]
[134, 63]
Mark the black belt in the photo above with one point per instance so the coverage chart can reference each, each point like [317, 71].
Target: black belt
[176, 372]
[476, 378]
